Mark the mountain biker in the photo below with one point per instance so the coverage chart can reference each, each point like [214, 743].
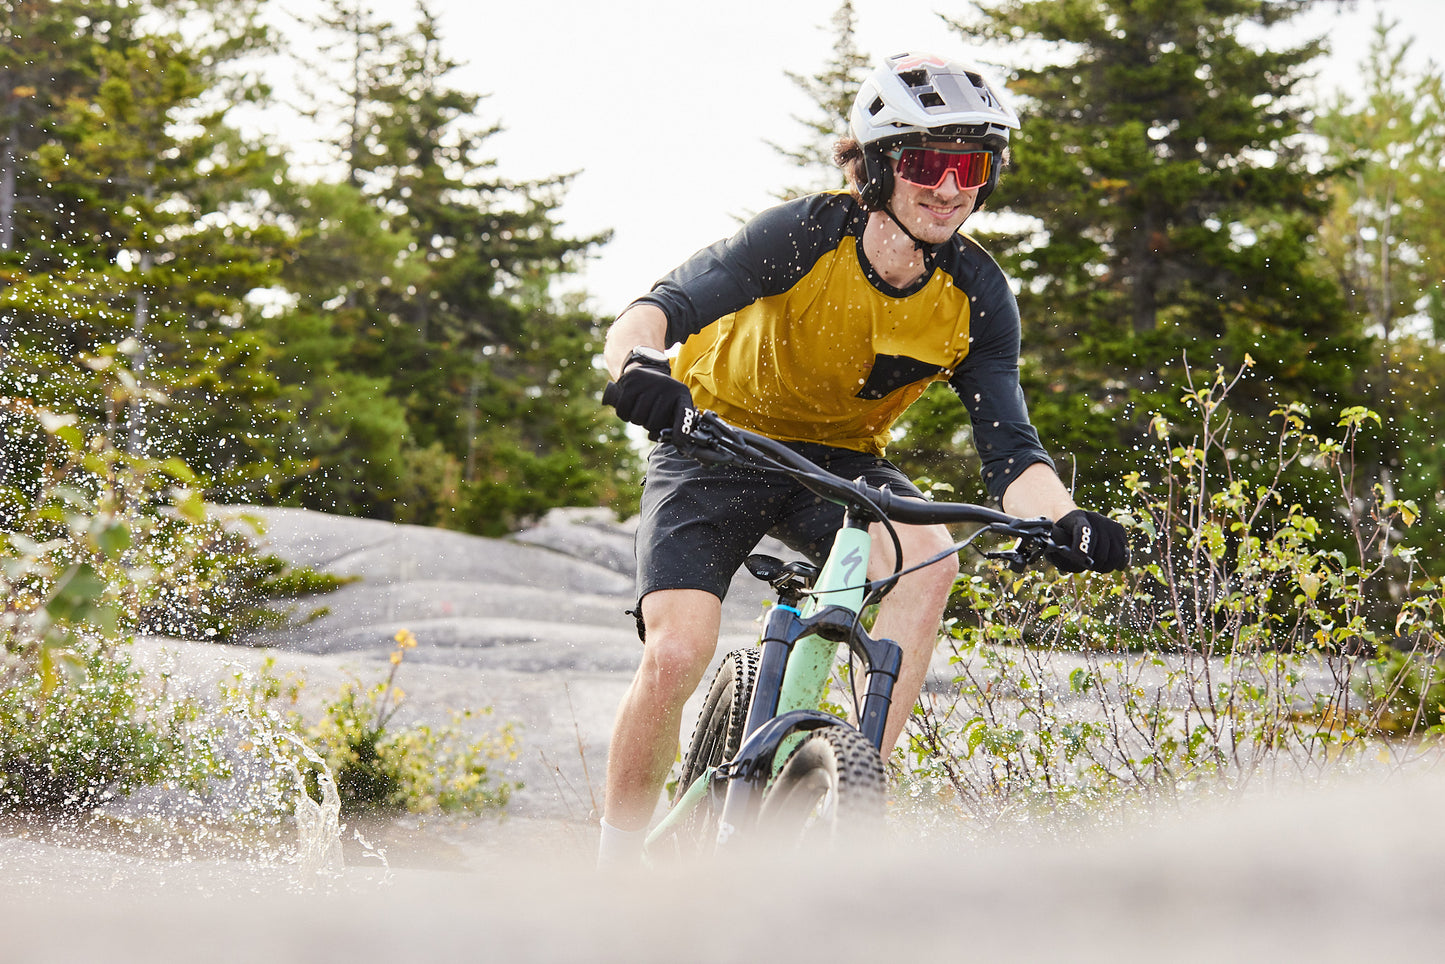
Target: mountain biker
[818, 324]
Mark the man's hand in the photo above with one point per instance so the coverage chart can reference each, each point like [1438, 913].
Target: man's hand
[649, 396]
[1094, 542]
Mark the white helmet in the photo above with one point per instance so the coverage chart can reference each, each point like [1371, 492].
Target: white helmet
[913, 96]
[922, 95]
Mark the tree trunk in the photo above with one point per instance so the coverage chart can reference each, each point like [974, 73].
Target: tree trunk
[8, 162]
[1144, 302]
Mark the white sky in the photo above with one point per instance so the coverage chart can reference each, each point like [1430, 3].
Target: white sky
[664, 107]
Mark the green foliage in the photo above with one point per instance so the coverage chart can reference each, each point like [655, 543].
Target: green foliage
[1383, 237]
[1408, 687]
[92, 732]
[93, 552]
[1384, 243]
[313, 337]
[132, 242]
[125, 542]
[1170, 206]
[418, 769]
[1240, 647]
[101, 544]
[430, 283]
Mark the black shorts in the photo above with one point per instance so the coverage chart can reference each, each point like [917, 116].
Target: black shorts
[699, 522]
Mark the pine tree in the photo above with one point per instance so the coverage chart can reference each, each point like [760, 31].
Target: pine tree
[133, 247]
[44, 52]
[832, 91]
[1385, 243]
[1385, 237]
[1163, 163]
[453, 308]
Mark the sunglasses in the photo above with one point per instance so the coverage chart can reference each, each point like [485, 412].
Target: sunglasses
[928, 166]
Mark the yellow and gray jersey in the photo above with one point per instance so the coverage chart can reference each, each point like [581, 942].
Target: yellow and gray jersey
[787, 330]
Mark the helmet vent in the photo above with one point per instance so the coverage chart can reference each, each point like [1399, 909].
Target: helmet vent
[983, 90]
[914, 78]
[931, 98]
[876, 106]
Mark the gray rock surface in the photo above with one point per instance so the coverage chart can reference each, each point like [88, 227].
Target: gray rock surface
[533, 626]
[1328, 872]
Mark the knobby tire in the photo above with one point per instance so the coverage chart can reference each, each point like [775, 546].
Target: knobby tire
[831, 786]
[716, 739]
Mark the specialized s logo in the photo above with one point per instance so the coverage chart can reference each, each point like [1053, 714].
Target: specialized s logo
[851, 562]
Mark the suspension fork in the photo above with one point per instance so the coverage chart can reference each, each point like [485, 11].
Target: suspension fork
[798, 650]
[785, 629]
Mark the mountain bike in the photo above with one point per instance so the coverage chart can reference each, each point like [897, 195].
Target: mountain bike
[765, 754]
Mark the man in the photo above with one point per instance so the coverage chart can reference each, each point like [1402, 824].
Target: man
[818, 324]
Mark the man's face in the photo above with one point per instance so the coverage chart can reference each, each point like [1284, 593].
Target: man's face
[933, 214]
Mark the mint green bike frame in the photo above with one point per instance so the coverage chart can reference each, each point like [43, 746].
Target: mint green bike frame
[839, 588]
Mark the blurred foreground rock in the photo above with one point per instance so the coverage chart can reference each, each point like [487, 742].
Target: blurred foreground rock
[1345, 873]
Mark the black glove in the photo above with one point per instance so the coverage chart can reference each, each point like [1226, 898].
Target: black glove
[1094, 542]
[647, 395]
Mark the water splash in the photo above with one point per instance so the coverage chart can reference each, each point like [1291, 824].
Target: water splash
[318, 825]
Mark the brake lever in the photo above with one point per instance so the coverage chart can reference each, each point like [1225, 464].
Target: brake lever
[698, 439]
[1032, 544]
[1018, 561]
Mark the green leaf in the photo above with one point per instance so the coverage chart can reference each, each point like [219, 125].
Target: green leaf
[78, 596]
[114, 539]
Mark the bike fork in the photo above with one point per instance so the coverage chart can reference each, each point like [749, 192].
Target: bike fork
[766, 732]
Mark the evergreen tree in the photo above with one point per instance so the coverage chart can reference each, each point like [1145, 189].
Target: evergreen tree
[349, 433]
[1163, 163]
[44, 52]
[1385, 237]
[456, 312]
[133, 246]
[1385, 243]
[44, 49]
[832, 91]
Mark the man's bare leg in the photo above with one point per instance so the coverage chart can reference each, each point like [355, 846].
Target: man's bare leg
[911, 614]
[682, 630]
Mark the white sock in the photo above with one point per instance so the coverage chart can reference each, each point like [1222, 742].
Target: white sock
[620, 848]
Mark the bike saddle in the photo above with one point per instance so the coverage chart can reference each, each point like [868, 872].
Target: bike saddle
[779, 574]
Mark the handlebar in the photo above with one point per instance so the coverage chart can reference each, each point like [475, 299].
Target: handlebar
[706, 437]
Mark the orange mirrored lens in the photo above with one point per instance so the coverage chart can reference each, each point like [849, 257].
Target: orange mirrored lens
[927, 167]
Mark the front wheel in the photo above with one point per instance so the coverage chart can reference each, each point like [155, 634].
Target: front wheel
[831, 786]
[716, 739]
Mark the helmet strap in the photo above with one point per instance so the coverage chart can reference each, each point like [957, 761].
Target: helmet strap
[924, 248]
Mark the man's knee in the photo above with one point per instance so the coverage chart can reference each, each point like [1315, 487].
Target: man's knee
[682, 630]
[942, 573]
[673, 664]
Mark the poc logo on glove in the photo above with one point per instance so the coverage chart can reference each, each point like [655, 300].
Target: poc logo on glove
[1088, 540]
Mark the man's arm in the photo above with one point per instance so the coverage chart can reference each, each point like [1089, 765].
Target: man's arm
[1038, 491]
[645, 394]
[640, 325]
[1093, 541]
